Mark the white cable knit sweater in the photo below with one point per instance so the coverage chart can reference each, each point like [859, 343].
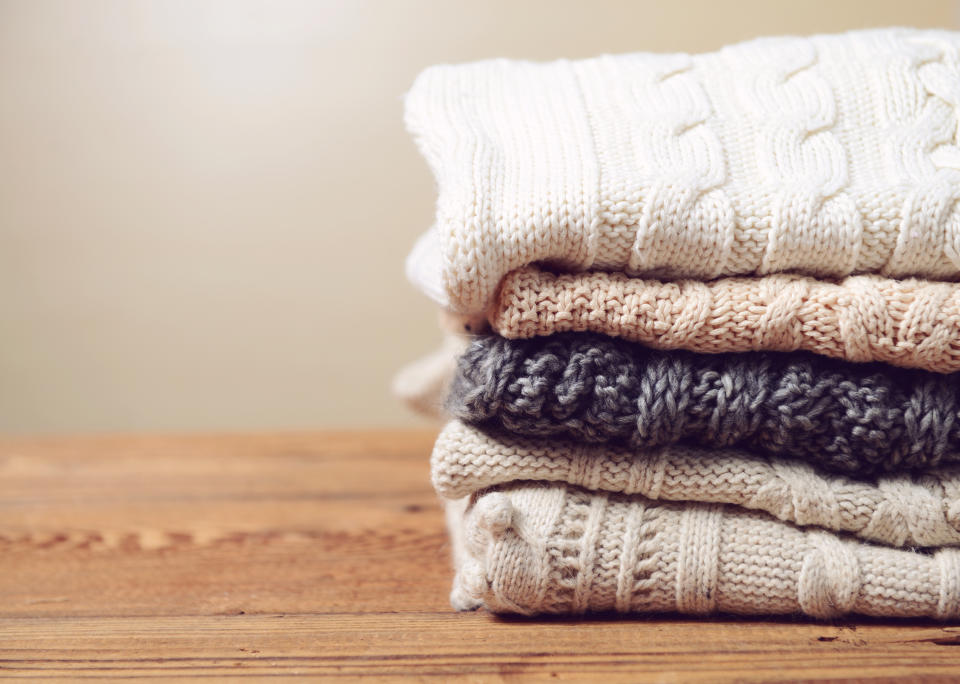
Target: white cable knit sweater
[828, 155]
[531, 548]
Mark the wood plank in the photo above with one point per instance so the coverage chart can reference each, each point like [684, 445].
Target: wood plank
[173, 526]
[324, 555]
[442, 644]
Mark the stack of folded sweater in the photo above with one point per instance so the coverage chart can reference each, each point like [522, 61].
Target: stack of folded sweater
[713, 330]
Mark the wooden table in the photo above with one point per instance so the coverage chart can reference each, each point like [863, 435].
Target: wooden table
[325, 554]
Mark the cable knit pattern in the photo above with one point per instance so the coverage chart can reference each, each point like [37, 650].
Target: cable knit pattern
[898, 510]
[558, 549]
[815, 226]
[829, 155]
[856, 418]
[909, 323]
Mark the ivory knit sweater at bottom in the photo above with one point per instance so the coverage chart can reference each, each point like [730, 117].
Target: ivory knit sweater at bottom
[910, 323]
[827, 155]
[899, 510]
[531, 549]
[855, 418]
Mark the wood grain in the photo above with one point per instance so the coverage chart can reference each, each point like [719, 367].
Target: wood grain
[324, 554]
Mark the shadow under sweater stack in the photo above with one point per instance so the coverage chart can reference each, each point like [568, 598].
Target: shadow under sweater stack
[719, 327]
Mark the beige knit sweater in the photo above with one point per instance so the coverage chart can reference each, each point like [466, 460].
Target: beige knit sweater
[911, 323]
[529, 548]
[898, 511]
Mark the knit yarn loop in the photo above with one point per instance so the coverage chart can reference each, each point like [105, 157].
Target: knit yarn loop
[830, 578]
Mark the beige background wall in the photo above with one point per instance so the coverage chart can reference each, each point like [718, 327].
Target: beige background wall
[204, 206]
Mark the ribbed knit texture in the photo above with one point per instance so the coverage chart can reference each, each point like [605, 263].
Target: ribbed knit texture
[828, 155]
[910, 323]
[899, 510]
[558, 549]
[855, 418]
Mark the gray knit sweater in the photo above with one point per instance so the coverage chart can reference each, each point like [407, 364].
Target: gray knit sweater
[855, 418]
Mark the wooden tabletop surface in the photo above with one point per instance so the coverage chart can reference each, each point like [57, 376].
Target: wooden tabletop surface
[324, 554]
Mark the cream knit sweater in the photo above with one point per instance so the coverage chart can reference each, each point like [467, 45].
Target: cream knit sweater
[828, 155]
[911, 323]
[901, 510]
[530, 548]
